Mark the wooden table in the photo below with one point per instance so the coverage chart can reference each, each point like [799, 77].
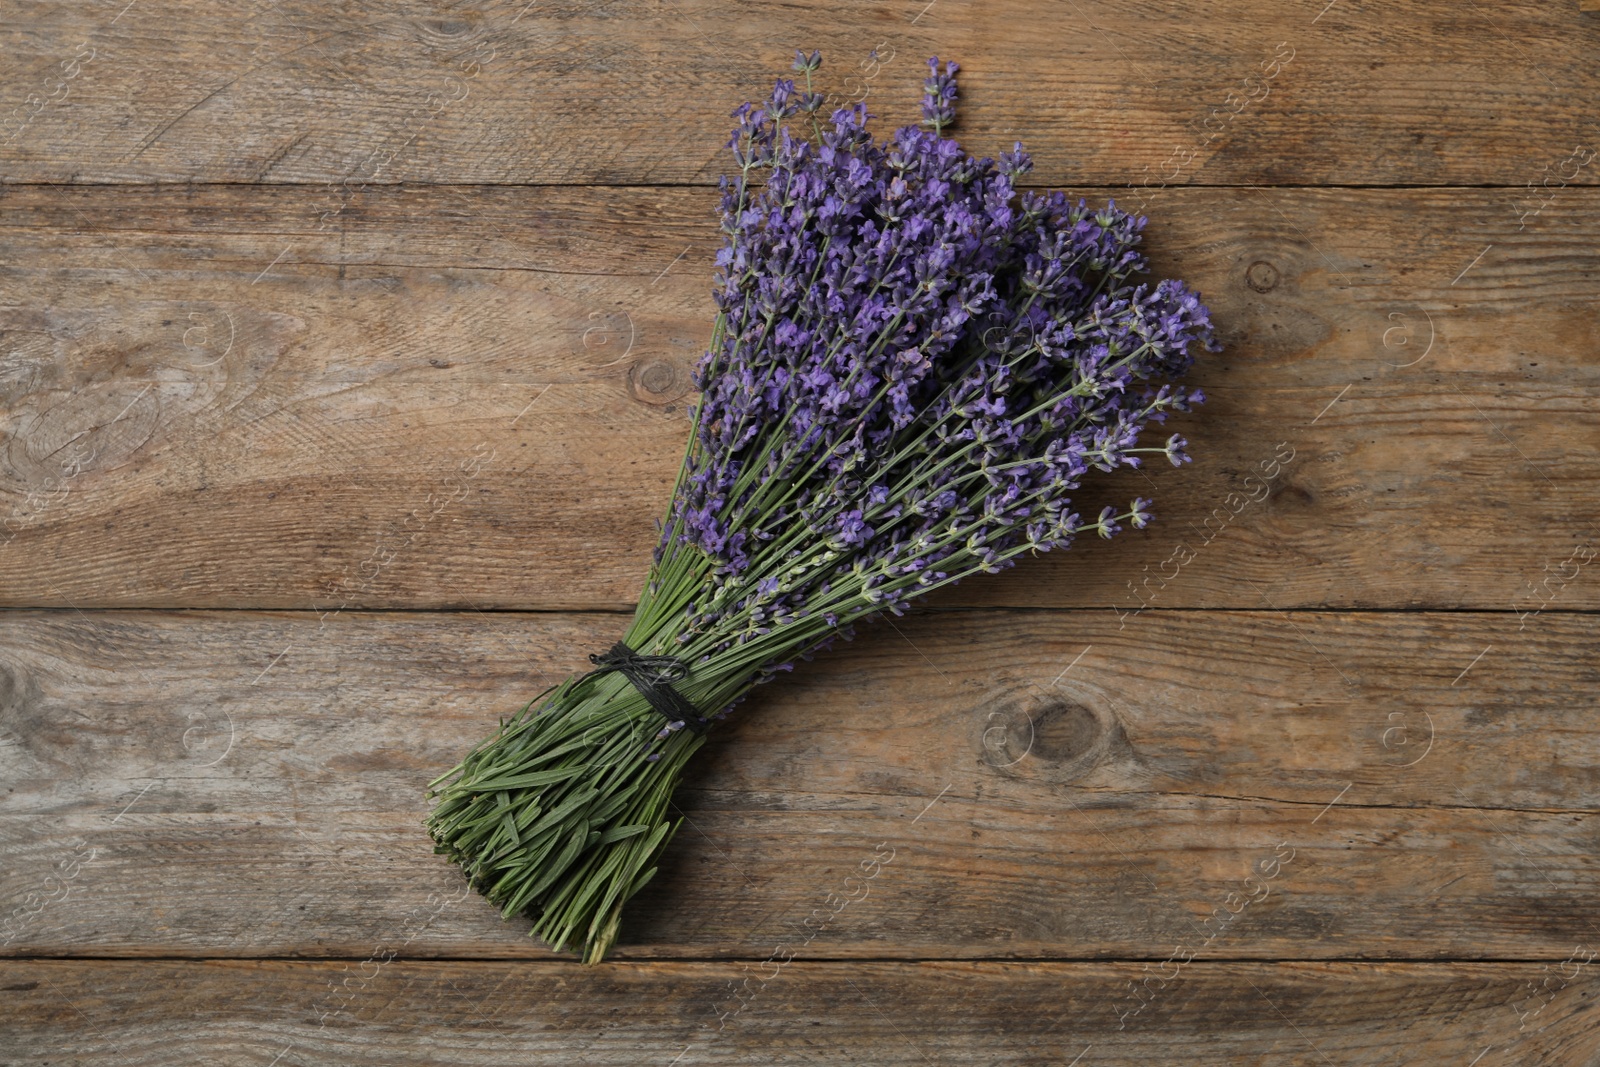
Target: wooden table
[346, 355]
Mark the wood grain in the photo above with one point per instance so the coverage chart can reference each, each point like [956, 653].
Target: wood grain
[404, 1012]
[477, 397]
[1036, 784]
[1306, 773]
[633, 91]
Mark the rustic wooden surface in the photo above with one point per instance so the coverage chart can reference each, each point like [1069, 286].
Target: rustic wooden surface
[344, 366]
[242, 1012]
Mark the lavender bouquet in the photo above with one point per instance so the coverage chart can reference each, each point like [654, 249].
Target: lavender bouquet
[912, 368]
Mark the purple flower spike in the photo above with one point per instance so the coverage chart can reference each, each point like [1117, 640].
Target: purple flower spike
[939, 95]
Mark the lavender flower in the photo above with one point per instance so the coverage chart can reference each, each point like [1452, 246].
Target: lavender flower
[913, 368]
[939, 95]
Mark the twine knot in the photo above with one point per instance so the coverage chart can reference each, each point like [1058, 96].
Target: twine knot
[652, 676]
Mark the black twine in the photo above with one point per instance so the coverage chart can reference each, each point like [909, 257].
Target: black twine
[653, 677]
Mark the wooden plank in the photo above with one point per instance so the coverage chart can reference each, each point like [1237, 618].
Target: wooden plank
[1034, 784]
[477, 397]
[405, 1012]
[1232, 92]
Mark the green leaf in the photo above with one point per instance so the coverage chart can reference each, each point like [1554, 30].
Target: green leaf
[556, 817]
[529, 780]
[556, 868]
[618, 833]
[639, 883]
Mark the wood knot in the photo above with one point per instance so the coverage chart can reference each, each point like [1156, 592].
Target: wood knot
[1291, 495]
[1057, 735]
[1262, 276]
[1066, 731]
[90, 429]
[20, 720]
[657, 381]
[446, 29]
